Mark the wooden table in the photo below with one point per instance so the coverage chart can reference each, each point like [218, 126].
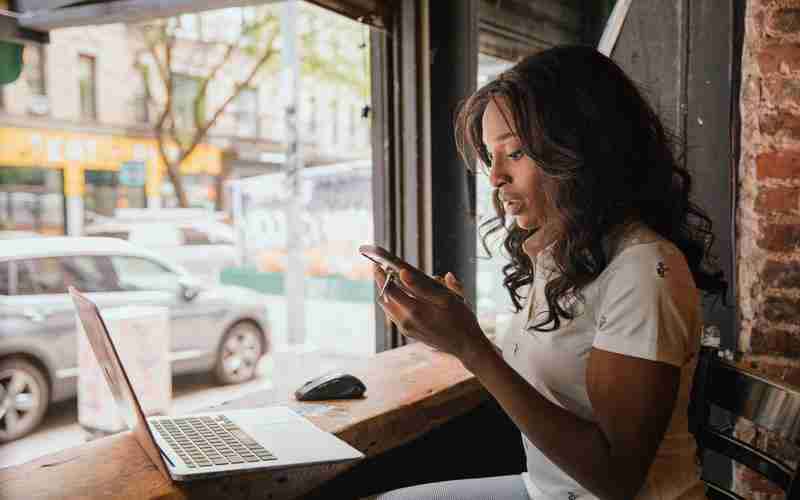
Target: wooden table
[411, 390]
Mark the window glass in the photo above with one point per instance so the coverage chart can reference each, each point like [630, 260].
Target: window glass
[192, 236]
[88, 273]
[87, 80]
[245, 112]
[494, 305]
[122, 235]
[140, 274]
[31, 200]
[40, 277]
[5, 278]
[185, 91]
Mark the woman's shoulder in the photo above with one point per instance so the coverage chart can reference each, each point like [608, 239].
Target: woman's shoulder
[641, 251]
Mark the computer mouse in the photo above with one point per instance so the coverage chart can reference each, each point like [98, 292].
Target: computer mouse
[333, 385]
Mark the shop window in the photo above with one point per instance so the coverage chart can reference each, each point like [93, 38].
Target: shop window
[31, 199]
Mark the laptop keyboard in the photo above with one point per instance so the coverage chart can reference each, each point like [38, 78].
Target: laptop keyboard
[210, 441]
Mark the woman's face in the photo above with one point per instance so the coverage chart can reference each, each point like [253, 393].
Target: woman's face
[516, 176]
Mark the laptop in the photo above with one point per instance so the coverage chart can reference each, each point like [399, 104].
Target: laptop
[202, 445]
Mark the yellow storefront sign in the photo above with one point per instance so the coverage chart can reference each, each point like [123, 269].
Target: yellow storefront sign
[78, 152]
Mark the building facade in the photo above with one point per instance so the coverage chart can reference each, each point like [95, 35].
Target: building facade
[78, 126]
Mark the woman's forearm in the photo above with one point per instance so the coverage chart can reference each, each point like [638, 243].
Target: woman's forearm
[577, 446]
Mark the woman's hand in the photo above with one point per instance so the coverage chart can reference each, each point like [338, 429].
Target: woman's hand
[433, 311]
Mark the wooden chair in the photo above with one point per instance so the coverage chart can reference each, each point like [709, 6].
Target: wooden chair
[768, 404]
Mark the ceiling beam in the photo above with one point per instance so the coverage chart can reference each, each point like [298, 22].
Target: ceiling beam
[46, 15]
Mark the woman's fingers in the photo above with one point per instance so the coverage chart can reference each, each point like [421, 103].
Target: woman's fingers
[453, 284]
[399, 307]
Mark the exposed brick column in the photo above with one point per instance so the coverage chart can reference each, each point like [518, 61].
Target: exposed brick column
[769, 209]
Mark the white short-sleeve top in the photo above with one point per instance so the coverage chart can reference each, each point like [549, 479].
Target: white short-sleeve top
[644, 304]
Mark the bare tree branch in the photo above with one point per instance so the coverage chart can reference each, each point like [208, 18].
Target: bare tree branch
[201, 132]
[202, 93]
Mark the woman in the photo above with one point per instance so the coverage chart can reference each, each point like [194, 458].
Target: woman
[607, 257]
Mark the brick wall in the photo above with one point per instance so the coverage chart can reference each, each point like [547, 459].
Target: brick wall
[769, 213]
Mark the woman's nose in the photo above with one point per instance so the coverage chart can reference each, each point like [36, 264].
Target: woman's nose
[497, 174]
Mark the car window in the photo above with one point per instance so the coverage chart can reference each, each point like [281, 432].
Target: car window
[54, 275]
[138, 274]
[89, 273]
[40, 276]
[5, 278]
[122, 235]
[192, 236]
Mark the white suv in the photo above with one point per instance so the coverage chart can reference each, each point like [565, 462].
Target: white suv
[222, 329]
[203, 247]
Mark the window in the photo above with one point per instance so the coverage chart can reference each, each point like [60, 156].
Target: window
[245, 111]
[88, 273]
[187, 26]
[87, 75]
[141, 108]
[223, 25]
[122, 235]
[35, 79]
[185, 89]
[5, 278]
[192, 236]
[335, 122]
[351, 121]
[54, 275]
[312, 119]
[34, 67]
[139, 274]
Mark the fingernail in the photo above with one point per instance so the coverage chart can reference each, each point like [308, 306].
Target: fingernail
[453, 277]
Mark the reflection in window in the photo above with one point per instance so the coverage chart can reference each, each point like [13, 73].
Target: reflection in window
[139, 274]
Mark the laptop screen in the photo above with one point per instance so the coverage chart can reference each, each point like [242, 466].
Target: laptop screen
[114, 372]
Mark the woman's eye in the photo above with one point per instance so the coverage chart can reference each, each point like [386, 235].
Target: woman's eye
[516, 155]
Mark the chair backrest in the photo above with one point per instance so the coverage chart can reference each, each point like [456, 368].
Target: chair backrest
[769, 404]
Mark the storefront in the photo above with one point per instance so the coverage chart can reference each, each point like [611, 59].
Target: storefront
[52, 182]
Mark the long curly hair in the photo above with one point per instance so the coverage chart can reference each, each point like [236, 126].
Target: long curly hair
[607, 159]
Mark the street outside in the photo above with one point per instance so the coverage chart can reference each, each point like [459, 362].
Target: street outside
[60, 428]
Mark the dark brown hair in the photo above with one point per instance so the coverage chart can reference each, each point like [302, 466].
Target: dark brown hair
[610, 159]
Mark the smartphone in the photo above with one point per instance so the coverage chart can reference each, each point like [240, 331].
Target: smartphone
[390, 262]
[382, 257]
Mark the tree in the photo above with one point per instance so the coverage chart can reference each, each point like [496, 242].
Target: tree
[162, 47]
[250, 52]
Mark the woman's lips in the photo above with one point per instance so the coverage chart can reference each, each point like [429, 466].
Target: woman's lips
[513, 207]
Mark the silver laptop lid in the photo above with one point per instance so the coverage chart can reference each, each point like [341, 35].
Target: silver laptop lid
[117, 378]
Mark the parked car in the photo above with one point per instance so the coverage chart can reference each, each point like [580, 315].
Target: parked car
[223, 329]
[204, 247]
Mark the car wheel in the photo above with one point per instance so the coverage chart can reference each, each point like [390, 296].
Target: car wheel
[237, 358]
[24, 396]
